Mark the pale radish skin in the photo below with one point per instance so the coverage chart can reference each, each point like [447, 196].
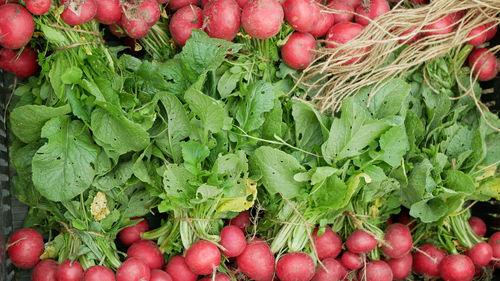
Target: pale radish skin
[203, 257]
[179, 270]
[495, 244]
[133, 269]
[341, 5]
[375, 9]
[328, 245]
[86, 13]
[360, 242]
[218, 277]
[69, 271]
[456, 268]
[136, 29]
[262, 18]
[298, 50]
[336, 271]
[129, 234]
[38, 7]
[481, 254]
[484, 64]
[478, 226]
[351, 261]
[295, 266]
[401, 267]
[301, 14]
[477, 36]
[129, 237]
[444, 25]
[242, 220]
[159, 275]
[221, 19]
[492, 30]
[257, 261]
[25, 247]
[233, 240]
[177, 4]
[98, 273]
[424, 265]
[376, 271]
[16, 27]
[44, 271]
[148, 252]
[183, 21]
[108, 11]
[398, 240]
[323, 24]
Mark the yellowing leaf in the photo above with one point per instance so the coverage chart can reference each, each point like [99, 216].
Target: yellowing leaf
[99, 207]
[488, 172]
[239, 204]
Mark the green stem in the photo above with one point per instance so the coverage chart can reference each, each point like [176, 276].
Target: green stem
[156, 233]
[164, 244]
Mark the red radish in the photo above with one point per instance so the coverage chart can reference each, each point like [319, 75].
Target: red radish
[69, 271]
[484, 64]
[222, 19]
[341, 5]
[159, 275]
[351, 260]
[133, 269]
[401, 267]
[118, 31]
[456, 268]
[3, 2]
[478, 271]
[98, 273]
[262, 18]
[78, 14]
[257, 261]
[25, 247]
[44, 271]
[375, 9]
[233, 240]
[162, 1]
[423, 264]
[38, 7]
[298, 50]
[16, 27]
[407, 219]
[183, 21]
[328, 245]
[177, 4]
[398, 239]
[353, 3]
[218, 277]
[23, 65]
[203, 257]
[478, 226]
[495, 244]
[322, 25]
[360, 242]
[336, 271]
[108, 11]
[481, 254]
[135, 28]
[443, 26]
[491, 30]
[149, 11]
[179, 270]
[242, 3]
[148, 252]
[376, 271]
[477, 36]
[404, 215]
[343, 32]
[301, 14]
[295, 266]
[457, 16]
[242, 220]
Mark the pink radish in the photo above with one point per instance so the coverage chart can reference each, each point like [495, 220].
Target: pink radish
[159, 275]
[262, 18]
[401, 267]
[398, 239]
[25, 247]
[456, 268]
[328, 245]
[426, 261]
[69, 271]
[178, 4]
[183, 21]
[481, 254]
[23, 65]
[257, 261]
[477, 36]
[375, 9]
[478, 226]
[407, 219]
[242, 220]
[443, 26]
[203, 257]
[353, 3]
[78, 14]
[341, 5]
[98, 273]
[218, 277]
[16, 27]
[491, 30]
[301, 14]
[295, 266]
[360, 242]
[484, 64]
[233, 240]
[322, 25]
[351, 261]
[179, 270]
[222, 19]
[148, 252]
[336, 271]
[133, 270]
[130, 234]
[342, 33]
[38, 7]
[298, 51]
[108, 11]
[376, 271]
[495, 244]
[135, 28]
[44, 271]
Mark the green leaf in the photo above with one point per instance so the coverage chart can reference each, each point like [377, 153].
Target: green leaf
[429, 211]
[240, 198]
[178, 190]
[459, 181]
[273, 122]
[72, 75]
[206, 192]
[389, 99]
[393, 145]
[438, 106]
[194, 153]
[228, 82]
[309, 129]
[277, 169]
[211, 112]
[173, 74]
[27, 121]
[258, 100]
[420, 181]
[330, 193]
[115, 178]
[322, 173]
[52, 34]
[62, 168]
